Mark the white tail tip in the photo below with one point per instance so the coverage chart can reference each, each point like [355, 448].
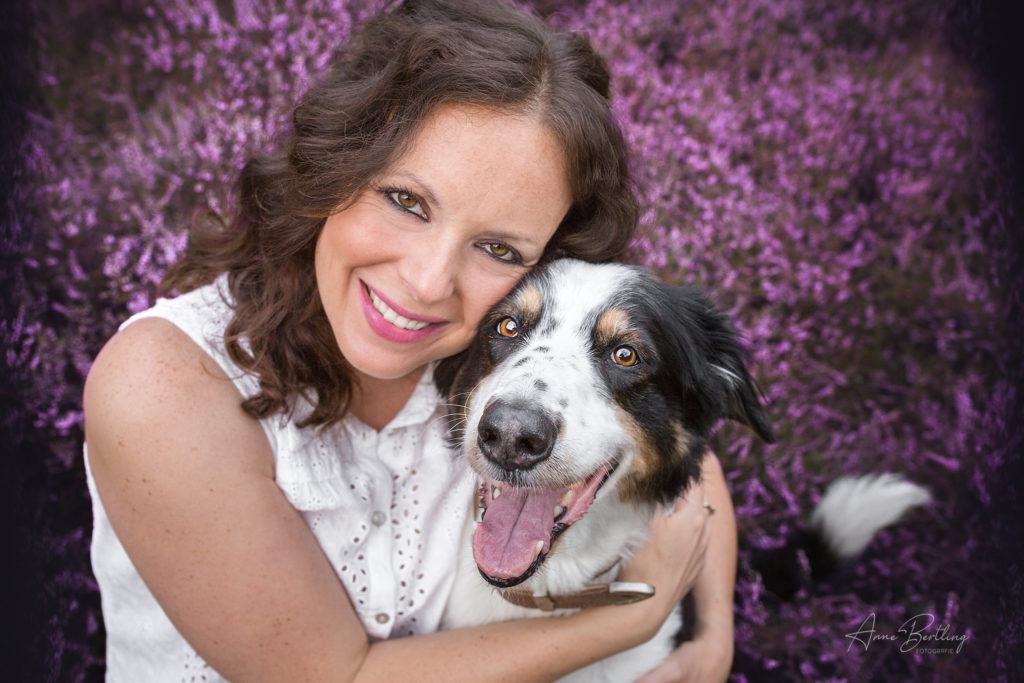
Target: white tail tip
[853, 509]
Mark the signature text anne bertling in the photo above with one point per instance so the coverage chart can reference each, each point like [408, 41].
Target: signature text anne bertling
[912, 634]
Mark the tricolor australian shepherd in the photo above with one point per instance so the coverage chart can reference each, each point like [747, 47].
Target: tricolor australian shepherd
[585, 403]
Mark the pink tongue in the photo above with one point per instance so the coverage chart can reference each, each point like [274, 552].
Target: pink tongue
[505, 542]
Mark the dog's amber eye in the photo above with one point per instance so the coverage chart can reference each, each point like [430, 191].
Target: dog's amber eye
[508, 327]
[625, 356]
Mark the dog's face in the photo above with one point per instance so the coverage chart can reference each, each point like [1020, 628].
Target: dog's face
[588, 382]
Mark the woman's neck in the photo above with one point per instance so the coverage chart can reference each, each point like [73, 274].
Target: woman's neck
[377, 401]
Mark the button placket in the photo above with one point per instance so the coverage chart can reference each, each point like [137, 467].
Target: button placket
[379, 545]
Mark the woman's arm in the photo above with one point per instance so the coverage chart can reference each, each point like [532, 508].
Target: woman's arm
[187, 479]
[708, 657]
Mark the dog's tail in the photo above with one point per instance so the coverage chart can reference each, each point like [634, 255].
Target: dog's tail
[849, 515]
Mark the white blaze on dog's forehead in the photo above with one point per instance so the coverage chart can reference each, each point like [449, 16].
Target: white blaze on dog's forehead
[581, 282]
[581, 288]
[575, 294]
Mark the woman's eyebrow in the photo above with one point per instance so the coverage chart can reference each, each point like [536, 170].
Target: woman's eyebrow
[513, 237]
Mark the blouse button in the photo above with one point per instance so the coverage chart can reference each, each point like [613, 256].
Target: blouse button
[382, 618]
[378, 518]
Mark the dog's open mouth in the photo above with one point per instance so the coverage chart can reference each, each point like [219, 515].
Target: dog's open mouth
[520, 525]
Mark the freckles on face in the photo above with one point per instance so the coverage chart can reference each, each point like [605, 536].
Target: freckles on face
[407, 271]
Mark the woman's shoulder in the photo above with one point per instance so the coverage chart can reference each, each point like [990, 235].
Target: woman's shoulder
[151, 380]
[150, 355]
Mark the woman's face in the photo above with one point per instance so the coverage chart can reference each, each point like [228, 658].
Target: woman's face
[407, 271]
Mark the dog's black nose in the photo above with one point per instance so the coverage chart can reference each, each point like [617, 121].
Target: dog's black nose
[515, 437]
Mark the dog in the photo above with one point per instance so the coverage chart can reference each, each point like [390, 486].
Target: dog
[584, 405]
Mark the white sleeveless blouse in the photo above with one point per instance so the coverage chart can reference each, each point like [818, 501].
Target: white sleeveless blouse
[386, 507]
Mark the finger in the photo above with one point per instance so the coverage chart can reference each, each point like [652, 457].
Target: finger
[690, 519]
[699, 556]
[708, 507]
[704, 540]
[690, 500]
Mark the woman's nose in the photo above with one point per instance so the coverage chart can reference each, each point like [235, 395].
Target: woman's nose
[429, 272]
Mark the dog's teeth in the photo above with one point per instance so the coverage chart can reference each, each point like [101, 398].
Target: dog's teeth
[559, 511]
[537, 551]
[567, 497]
[495, 492]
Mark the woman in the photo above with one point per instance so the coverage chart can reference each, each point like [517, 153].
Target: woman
[266, 445]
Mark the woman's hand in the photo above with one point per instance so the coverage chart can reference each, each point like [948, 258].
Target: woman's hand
[705, 659]
[672, 558]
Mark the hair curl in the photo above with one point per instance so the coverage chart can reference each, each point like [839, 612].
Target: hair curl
[350, 128]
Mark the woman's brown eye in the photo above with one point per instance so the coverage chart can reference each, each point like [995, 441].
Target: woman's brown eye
[406, 201]
[501, 252]
[508, 327]
[625, 356]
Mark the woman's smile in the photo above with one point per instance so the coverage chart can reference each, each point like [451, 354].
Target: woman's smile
[394, 323]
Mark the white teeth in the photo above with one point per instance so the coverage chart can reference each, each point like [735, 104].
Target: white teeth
[559, 511]
[538, 549]
[567, 497]
[389, 314]
[495, 492]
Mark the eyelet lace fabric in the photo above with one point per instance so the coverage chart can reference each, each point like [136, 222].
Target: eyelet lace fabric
[386, 507]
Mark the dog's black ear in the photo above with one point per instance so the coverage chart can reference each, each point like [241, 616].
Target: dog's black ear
[727, 360]
[452, 377]
[742, 395]
[713, 356]
[446, 370]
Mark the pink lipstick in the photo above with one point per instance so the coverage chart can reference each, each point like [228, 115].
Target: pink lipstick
[393, 322]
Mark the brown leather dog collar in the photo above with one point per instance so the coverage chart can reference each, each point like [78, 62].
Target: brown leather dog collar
[597, 595]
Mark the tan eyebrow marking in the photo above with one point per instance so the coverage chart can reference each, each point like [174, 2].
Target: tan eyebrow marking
[530, 301]
[612, 324]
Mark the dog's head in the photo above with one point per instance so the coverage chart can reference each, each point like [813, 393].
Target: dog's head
[587, 375]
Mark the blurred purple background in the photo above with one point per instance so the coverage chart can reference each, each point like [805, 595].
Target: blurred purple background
[839, 175]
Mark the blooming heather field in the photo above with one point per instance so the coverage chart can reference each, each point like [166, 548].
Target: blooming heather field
[827, 170]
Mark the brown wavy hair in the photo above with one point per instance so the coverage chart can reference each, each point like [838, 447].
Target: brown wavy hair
[350, 128]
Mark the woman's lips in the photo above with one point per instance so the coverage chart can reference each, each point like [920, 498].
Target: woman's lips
[393, 323]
